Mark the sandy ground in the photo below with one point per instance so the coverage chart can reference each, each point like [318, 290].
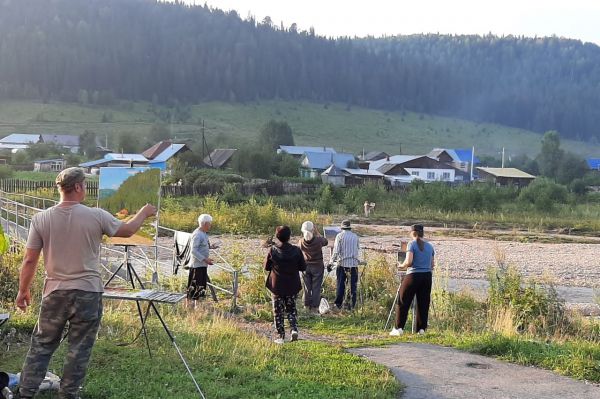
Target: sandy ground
[570, 264]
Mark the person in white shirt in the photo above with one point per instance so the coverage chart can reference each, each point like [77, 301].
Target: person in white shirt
[345, 257]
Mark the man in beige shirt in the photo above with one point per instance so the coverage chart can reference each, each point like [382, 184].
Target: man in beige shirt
[69, 235]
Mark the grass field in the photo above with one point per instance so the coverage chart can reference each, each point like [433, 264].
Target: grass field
[349, 129]
[227, 362]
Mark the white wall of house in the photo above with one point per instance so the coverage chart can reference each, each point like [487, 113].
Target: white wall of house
[432, 174]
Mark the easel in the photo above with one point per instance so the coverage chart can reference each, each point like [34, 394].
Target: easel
[414, 308]
[130, 275]
[401, 256]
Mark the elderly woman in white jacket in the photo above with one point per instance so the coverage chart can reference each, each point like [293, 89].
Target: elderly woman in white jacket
[312, 244]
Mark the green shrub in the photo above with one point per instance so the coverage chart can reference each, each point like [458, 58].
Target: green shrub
[249, 217]
[533, 307]
[10, 266]
[6, 172]
[544, 194]
[355, 197]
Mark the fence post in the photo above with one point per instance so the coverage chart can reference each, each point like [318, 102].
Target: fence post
[235, 290]
[414, 315]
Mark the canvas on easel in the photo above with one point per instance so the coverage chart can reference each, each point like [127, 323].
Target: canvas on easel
[330, 232]
[123, 191]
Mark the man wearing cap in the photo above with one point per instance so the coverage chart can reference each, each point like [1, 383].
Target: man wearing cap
[345, 257]
[69, 235]
[201, 259]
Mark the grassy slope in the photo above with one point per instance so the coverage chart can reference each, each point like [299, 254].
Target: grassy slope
[227, 362]
[313, 124]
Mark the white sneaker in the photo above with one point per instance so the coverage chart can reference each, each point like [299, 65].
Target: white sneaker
[396, 332]
[421, 332]
[294, 335]
[278, 341]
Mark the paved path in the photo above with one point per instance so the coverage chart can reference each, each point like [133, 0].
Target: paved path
[434, 372]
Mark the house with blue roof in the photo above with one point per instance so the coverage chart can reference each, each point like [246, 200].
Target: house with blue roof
[156, 156]
[313, 164]
[460, 158]
[113, 159]
[593, 163]
[299, 151]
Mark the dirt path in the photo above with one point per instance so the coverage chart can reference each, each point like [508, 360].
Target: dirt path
[434, 372]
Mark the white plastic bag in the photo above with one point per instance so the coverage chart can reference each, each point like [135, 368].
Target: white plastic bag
[323, 306]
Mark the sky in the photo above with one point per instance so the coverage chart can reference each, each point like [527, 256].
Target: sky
[576, 19]
[112, 178]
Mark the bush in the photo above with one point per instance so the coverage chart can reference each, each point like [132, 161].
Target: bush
[248, 217]
[543, 194]
[10, 266]
[355, 197]
[532, 307]
[474, 197]
[6, 172]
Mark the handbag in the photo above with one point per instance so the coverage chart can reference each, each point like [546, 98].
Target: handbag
[323, 306]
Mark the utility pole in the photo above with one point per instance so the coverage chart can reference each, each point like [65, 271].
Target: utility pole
[502, 157]
[205, 146]
[472, 161]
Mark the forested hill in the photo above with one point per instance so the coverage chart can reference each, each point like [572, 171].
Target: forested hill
[98, 50]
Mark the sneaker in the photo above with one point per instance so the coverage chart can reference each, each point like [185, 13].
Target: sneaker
[294, 335]
[278, 341]
[421, 332]
[396, 332]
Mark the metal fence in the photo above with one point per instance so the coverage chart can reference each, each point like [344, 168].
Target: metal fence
[17, 209]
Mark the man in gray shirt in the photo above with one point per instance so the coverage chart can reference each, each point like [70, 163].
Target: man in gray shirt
[197, 278]
[345, 257]
[69, 234]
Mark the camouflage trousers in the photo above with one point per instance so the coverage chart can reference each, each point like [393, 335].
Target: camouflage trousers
[284, 305]
[82, 312]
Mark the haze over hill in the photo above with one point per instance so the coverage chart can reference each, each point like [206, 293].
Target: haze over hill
[97, 51]
[237, 125]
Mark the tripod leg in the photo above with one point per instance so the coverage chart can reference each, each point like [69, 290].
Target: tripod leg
[172, 338]
[112, 276]
[131, 273]
[392, 308]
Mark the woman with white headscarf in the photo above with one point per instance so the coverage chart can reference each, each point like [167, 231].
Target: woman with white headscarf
[312, 244]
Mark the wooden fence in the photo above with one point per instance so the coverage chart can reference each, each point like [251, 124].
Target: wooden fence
[264, 188]
[30, 186]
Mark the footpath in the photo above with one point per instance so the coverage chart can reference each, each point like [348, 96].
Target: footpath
[435, 372]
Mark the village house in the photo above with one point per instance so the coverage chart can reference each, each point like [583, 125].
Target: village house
[219, 158]
[299, 151]
[49, 165]
[69, 142]
[315, 163]
[459, 158]
[403, 169]
[156, 156]
[17, 141]
[593, 163]
[342, 177]
[505, 176]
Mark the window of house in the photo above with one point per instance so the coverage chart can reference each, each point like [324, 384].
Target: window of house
[430, 175]
[415, 173]
[445, 175]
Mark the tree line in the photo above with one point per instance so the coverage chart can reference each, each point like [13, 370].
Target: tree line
[97, 51]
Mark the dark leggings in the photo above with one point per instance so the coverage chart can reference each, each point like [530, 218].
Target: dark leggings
[418, 284]
[281, 306]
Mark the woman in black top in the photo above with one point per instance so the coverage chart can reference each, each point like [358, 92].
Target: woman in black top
[284, 262]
